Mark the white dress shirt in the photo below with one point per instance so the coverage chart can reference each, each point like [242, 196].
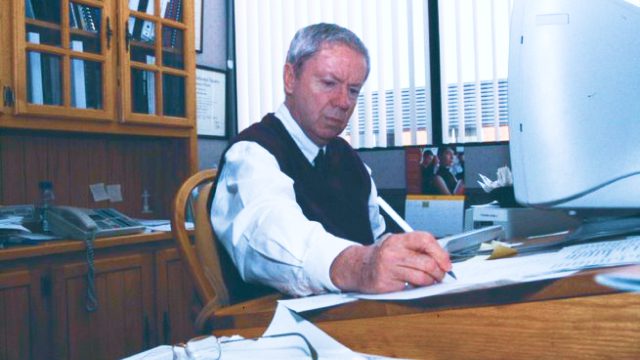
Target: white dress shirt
[256, 217]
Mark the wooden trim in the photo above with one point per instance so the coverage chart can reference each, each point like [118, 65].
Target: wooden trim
[65, 246]
[14, 278]
[65, 110]
[43, 24]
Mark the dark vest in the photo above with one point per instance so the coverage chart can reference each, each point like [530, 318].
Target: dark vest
[338, 198]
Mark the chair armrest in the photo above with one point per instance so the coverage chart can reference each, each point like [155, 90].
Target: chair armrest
[206, 318]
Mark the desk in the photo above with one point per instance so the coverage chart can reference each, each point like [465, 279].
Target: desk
[571, 317]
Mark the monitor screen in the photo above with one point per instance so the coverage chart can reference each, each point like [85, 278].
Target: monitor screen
[574, 103]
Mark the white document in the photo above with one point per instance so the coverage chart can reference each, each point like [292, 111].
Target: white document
[600, 254]
[285, 321]
[316, 302]
[115, 192]
[478, 273]
[99, 192]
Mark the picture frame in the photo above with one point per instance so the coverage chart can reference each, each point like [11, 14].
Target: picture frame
[211, 99]
[198, 24]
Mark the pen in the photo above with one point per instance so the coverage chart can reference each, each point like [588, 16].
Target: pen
[401, 222]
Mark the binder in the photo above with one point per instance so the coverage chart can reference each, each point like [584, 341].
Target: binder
[78, 86]
[28, 9]
[35, 71]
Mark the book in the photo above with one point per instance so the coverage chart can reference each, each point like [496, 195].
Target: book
[28, 9]
[150, 89]
[78, 84]
[164, 10]
[176, 13]
[147, 33]
[146, 6]
[73, 20]
[133, 4]
[88, 17]
[55, 92]
[35, 71]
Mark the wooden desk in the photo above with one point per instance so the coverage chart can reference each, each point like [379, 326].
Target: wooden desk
[553, 319]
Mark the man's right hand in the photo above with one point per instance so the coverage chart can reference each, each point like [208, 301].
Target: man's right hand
[415, 258]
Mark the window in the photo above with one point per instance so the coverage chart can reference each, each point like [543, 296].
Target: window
[474, 54]
[394, 107]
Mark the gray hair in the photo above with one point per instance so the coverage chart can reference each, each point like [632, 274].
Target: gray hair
[309, 40]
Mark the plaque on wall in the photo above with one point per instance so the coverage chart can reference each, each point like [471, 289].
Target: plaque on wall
[211, 102]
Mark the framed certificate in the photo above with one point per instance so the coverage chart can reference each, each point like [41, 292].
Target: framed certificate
[211, 115]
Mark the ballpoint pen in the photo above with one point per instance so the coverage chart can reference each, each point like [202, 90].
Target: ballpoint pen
[401, 222]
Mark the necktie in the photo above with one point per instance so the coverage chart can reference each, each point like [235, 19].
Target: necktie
[320, 162]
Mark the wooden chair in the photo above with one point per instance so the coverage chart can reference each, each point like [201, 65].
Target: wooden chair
[201, 257]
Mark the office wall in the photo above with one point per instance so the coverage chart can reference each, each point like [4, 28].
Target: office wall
[485, 160]
[388, 166]
[214, 54]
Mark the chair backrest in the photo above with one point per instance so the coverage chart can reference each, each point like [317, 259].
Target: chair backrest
[201, 258]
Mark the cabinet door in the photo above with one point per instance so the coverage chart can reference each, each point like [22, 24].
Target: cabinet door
[158, 62]
[22, 329]
[176, 299]
[64, 51]
[121, 326]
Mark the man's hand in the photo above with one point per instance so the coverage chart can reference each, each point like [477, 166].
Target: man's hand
[415, 258]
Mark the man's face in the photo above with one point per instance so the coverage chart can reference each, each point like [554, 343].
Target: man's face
[322, 98]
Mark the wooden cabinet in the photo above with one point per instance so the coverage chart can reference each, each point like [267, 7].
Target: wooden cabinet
[17, 338]
[112, 66]
[65, 59]
[158, 62]
[144, 298]
[123, 321]
[176, 299]
[95, 91]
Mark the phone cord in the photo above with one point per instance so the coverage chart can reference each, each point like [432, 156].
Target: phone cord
[91, 301]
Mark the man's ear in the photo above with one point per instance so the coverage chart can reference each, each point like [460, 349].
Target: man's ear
[289, 78]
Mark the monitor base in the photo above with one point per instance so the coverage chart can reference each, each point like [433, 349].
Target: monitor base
[597, 228]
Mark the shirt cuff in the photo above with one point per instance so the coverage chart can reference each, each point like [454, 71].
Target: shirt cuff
[320, 258]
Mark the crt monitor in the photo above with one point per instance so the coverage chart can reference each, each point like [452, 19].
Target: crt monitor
[574, 107]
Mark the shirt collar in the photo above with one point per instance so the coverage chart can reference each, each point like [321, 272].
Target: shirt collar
[309, 148]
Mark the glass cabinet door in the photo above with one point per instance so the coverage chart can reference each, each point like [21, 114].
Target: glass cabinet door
[159, 62]
[65, 65]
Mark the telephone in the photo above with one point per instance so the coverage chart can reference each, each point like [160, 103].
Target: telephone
[87, 224]
[79, 223]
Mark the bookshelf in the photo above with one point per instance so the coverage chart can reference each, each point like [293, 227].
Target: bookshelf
[78, 109]
[129, 63]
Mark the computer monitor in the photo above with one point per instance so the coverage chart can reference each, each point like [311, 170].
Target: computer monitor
[574, 107]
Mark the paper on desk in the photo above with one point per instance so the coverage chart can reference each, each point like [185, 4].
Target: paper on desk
[477, 273]
[167, 227]
[286, 321]
[599, 254]
[316, 302]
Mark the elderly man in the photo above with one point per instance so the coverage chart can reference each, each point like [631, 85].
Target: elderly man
[294, 205]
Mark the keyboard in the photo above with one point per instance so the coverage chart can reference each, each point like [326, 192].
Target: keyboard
[471, 240]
